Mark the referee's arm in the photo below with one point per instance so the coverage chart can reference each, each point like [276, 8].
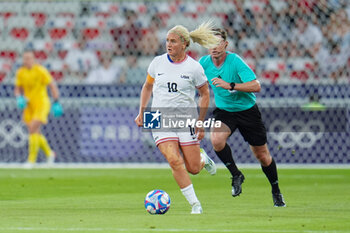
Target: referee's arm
[251, 86]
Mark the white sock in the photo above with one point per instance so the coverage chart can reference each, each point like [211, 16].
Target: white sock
[190, 195]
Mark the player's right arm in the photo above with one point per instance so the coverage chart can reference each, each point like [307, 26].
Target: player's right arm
[146, 93]
[18, 89]
[18, 92]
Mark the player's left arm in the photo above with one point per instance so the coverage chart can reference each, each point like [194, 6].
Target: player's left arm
[50, 82]
[251, 86]
[54, 90]
[56, 108]
[247, 76]
[203, 103]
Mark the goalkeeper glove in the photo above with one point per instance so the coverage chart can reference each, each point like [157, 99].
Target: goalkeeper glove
[57, 109]
[21, 102]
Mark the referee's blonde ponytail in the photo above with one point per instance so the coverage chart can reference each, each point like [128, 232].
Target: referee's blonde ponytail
[203, 35]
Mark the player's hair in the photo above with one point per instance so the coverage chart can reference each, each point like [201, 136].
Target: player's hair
[220, 32]
[203, 35]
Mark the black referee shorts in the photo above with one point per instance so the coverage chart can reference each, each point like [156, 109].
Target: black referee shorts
[248, 122]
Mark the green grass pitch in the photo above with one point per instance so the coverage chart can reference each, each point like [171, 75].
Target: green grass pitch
[111, 200]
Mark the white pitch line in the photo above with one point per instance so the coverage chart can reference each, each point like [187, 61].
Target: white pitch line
[160, 230]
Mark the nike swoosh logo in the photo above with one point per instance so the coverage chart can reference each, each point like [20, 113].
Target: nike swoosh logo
[159, 74]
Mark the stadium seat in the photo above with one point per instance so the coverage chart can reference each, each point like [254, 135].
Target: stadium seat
[270, 75]
[10, 49]
[59, 27]
[58, 33]
[8, 54]
[21, 28]
[163, 7]
[248, 47]
[104, 9]
[181, 19]
[42, 49]
[220, 6]
[162, 10]
[39, 11]
[278, 5]
[9, 9]
[56, 68]
[255, 6]
[61, 47]
[91, 27]
[115, 22]
[300, 68]
[65, 9]
[137, 7]
[271, 69]
[163, 16]
[40, 18]
[192, 9]
[222, 16]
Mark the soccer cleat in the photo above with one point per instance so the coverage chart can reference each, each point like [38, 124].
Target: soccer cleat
[197, 208]
[209, 163]
[50, 160]
[278, 200]
[237, 184]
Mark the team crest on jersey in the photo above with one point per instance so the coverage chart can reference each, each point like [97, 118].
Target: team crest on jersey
[185, 76]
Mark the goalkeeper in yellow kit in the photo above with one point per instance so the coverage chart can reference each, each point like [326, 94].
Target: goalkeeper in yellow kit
[31, 94]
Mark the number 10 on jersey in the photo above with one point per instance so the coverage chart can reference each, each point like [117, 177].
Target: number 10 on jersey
[172, 87]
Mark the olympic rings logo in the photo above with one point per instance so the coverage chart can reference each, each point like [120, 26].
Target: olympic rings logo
[12, 133]
[296, 133]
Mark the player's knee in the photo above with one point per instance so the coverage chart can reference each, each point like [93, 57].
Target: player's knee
[264, 158]
[32, 129]
[194, 169]
[218, 143]
[176, 162]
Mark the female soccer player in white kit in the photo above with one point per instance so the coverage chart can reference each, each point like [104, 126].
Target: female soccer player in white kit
[174, 78]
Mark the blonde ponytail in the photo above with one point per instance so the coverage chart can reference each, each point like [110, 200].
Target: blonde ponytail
[203, 35]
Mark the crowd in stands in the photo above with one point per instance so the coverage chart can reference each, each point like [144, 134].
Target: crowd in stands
[283, 41]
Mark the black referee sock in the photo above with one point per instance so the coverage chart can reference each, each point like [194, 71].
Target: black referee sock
[225, 155]
[271, 174]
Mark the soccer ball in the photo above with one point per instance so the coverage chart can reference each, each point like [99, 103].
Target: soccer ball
[157, 202]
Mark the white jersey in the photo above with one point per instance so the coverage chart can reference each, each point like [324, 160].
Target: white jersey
[175, 83]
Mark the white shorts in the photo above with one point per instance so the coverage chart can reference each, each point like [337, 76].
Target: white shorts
[184, 138]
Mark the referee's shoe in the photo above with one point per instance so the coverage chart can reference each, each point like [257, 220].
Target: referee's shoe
[237, 184]
[278, 200]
